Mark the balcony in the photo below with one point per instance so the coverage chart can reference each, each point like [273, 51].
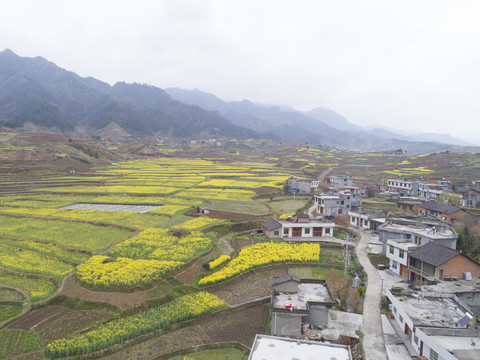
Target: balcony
[425, 274]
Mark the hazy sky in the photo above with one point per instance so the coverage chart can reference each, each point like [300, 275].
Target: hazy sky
[406, 64]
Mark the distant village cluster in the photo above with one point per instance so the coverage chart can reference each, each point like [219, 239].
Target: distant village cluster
[433, 289]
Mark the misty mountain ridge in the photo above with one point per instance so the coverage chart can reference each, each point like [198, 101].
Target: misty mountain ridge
[36, 91]
[250, 114]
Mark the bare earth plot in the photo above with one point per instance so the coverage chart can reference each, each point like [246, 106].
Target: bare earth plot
[248, 287]
[53, 322]
[231, 325]
[72, 288]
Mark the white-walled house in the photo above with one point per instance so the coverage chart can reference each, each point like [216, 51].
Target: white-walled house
[298, 227]
[434, 326]
[397, 253]
[364, 218]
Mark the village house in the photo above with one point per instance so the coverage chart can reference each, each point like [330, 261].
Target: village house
[470, 198]
[300, 186]
[440, 211]
[432, 189]
[418, 231]
[436, 327]
[397, 252]
[404, 186]
[366, 219]
[468, 291]
[298, 227]
[342, 182]
[407, 206]
[267, 347]
[436, 262]
[337, 203]
[296, 302]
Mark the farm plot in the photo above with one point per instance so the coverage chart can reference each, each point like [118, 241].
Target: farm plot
[117, 331]
[54, 322]
[36, 289]
[262, 254]
[233, 325]
[51, 250]
[130, 219]
[143, 259]
[139, 209]
[30, 262]
[68, 234]
[114, 189]
[217, 194]
[16, 342]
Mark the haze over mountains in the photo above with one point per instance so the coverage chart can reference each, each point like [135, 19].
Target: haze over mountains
[34, 90]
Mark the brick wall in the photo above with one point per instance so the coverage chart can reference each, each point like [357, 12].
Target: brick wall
[460, 264]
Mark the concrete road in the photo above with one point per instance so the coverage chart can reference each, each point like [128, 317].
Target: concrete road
[373, 341]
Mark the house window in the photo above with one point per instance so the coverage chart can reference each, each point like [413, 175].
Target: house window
[394, 310]
[285, 231]
[402, 254]
[307, 231]
[433, 355]
[327, 231]
[394, 265]
[275, 232]
[342, 202]
[415, 339]
[391, 249]
[366, 222]
[401, 319]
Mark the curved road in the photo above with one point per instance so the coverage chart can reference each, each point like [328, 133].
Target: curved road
[373, 341]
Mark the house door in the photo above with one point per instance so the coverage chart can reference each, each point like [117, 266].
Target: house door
[317, 231]
[297, 232]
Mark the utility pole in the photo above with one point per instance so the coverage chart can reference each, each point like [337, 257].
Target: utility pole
[294, 190]
[346, 257]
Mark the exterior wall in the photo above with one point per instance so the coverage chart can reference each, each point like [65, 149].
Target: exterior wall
[318, 315]
[289, 286]
[401, 317]
[395, 257]
[360, 221]
[307, 230]
[334, 205]
[286, 324]
[272, 234]
[430, 344]
[471, 299]
[459, 264]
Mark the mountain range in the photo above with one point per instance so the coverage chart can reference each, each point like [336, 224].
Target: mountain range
[36, 91]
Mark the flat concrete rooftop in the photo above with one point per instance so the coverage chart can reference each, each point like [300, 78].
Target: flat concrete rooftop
[457, 286]
[431, 311]
[307, 292]
[277, 348]
[446, 234]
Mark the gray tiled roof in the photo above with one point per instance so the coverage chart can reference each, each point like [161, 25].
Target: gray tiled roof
[442, 208]
[284, 278]
[271, 224]
[433, 254]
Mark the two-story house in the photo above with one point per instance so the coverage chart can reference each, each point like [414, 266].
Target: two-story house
[337, 203]
[418, 230]
[435, 262]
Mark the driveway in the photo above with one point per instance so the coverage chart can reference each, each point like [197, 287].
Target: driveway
[373, 341]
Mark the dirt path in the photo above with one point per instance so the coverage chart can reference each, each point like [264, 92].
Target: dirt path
[373, 342]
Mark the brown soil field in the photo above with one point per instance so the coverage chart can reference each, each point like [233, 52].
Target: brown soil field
[123, 301]
[53, 322]
[231, 325]
[194, 268]
[248, 287]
